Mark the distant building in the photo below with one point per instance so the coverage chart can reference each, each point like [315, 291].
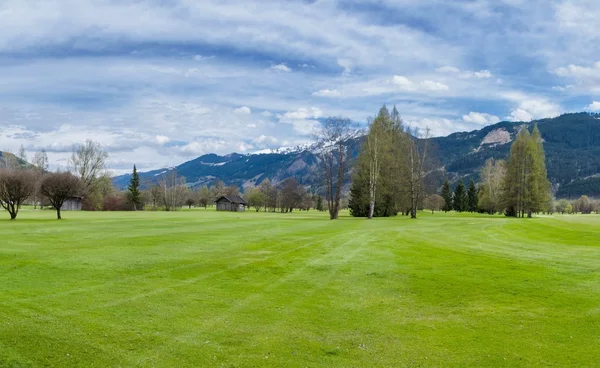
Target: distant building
[231, 203]
[72, 204]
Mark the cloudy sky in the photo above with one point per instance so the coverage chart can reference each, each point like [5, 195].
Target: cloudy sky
[159, 82]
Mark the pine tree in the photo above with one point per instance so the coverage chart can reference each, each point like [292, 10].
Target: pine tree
[461, 202]
[544, 189]
[473, 199]
[319, 206]
[133, 191]
[447, 195]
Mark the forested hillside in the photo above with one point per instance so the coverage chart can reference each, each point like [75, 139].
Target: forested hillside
[571, 142]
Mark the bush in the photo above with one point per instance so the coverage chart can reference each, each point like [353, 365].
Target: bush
[116, 202]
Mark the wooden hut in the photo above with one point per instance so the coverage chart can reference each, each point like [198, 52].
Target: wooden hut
[231, 203]
[72, 204]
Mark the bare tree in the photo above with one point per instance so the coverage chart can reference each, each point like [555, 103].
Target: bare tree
[376, 151]
[189, 198]
[41, 166]
[22, 155]
[255, 198]
[217, 190]
[434, 202]
[58, 187]
[88, 160]
[417, 156]
[15, 187]
[40, 160]
[373, 147]
[231, 190]
[292, 194]
[332, 138]
[153, 193]
[203, 196]
[173, 190]
[269, 194]
[492, 191]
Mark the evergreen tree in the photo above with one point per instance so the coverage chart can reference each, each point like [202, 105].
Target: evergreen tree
[447, 195]
[319, 206]
[359, 196]
[473, 199]
[133, 191]
[544, 198]
[461, 201]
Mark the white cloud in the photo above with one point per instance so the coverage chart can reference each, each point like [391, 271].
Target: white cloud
[243, 110]
[200, 57]
[406, 84]
[448, 70]
[162, 139]
[281, 68]
[434, 86]
[467, 74]
[534, 109]
[207, 145]
[327, 93]
[594, 106]
[154, 89]
[266, 139]
[579, 72]
[437, 126]
[480, 118]
[302, 113]
[520, 115]
[302, 119]
[346, 64]
[482, 74]
[244, 147]
[402, 82]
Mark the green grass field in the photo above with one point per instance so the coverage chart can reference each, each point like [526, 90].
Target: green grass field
[200, 288]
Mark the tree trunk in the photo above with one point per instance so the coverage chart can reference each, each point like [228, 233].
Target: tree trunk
[13, 210]
[58, 214]
[371, 208]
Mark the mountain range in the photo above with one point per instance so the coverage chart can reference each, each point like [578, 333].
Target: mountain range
[571, 142]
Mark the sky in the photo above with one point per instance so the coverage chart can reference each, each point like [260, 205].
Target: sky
[158, 83]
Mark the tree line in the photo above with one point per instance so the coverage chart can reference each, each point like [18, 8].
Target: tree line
[283, 197]
[517, 186]
[170, 193]
[389, 173]
[388, 176]
[385, 177]
[24, 183]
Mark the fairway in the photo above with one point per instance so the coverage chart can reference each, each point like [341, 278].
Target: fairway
[197, 288]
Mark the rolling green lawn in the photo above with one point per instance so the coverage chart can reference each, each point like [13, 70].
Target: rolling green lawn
[200, 288]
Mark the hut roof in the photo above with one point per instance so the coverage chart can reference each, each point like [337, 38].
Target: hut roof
[233, 199]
